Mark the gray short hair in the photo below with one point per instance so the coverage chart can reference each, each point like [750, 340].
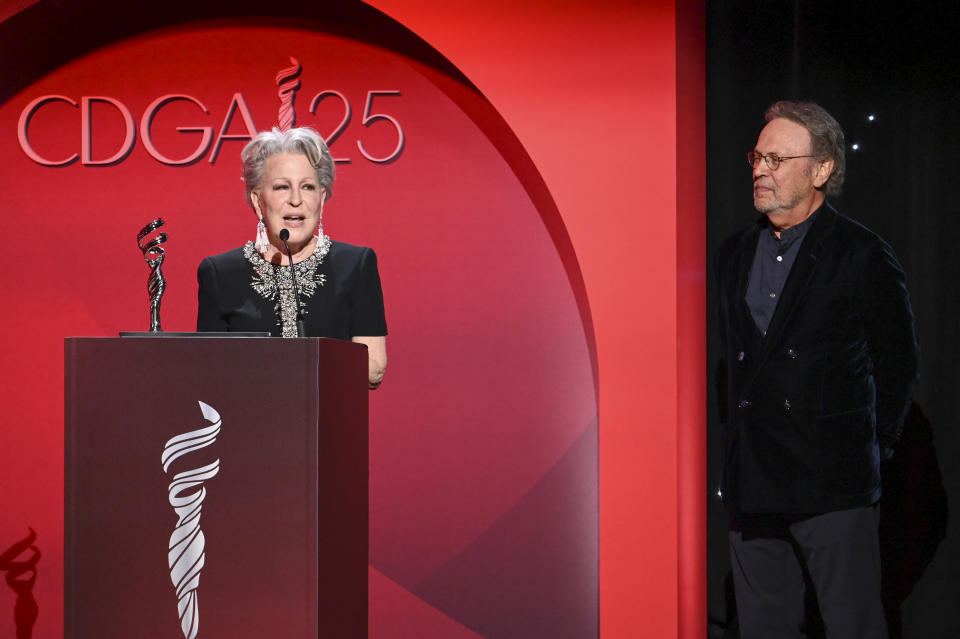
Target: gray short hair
[825, 134]
[302, 140]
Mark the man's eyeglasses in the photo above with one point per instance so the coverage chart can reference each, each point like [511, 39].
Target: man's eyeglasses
[772, 159]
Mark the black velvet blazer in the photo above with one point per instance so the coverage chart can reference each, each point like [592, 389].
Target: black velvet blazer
[348, 304]
[808, 410]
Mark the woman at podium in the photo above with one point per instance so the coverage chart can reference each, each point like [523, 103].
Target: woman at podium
[334, 289]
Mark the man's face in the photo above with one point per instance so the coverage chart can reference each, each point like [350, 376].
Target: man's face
[780, 192]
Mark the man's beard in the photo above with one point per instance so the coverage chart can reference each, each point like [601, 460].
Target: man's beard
[774, 205]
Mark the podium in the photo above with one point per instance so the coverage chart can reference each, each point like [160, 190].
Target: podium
[235, 467]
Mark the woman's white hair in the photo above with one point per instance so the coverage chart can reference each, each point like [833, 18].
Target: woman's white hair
[302, 140]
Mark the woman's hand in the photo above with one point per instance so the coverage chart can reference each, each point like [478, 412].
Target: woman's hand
[377, 352]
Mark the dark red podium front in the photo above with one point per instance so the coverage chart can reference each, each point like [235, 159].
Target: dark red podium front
[215, 488]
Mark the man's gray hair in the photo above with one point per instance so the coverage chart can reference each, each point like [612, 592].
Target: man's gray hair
[302, 140]
[826, 136]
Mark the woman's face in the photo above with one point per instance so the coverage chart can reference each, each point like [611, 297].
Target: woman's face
[289, 198]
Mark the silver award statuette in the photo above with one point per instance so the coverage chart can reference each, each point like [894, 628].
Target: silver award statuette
[153, 255]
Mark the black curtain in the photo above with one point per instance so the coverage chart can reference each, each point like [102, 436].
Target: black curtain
[900, 63]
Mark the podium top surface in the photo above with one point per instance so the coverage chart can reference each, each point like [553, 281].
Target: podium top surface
[186, 334]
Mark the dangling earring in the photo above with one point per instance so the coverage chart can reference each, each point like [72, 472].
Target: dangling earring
[261, 243]
[319, 231]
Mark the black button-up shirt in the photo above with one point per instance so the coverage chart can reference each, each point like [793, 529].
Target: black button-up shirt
[771, 266]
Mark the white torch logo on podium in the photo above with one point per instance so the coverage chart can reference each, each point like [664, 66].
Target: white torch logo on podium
[186, 552]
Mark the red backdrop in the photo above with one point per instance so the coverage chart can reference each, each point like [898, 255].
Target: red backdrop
[492, 335]
[623, 82]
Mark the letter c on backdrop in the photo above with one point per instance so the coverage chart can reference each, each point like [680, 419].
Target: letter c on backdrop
[25, 116]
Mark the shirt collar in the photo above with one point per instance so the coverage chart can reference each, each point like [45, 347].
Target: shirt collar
[795, 232]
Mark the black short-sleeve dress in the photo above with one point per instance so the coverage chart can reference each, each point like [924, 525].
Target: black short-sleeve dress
[339, 288]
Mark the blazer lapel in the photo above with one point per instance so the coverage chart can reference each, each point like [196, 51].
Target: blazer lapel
[800, 274]
[747, 328]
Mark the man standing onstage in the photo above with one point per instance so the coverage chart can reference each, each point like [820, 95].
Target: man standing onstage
[820, 357]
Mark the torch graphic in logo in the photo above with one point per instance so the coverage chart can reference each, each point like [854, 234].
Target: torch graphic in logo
[21, 572]
[186, 553]
[288, 82]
